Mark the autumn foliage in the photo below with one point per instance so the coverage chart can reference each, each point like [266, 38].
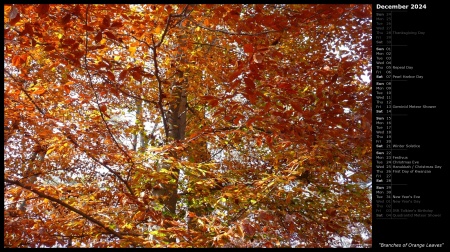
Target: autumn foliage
[187, 125]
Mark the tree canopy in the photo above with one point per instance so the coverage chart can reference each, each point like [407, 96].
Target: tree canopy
[244, 125]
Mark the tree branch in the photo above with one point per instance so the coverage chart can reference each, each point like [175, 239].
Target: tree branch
[60, 202]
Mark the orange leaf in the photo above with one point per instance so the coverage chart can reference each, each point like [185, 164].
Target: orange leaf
[15, 60]
[139, 216]
[258, 141]
[39, 91]
[103, 108]
[67, 89]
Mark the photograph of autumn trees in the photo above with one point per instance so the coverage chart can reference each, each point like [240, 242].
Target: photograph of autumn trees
[246, 125]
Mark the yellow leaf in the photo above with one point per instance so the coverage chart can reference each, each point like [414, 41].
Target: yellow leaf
[117, 58]
[50, 150]
[132, 50]
[239, 231]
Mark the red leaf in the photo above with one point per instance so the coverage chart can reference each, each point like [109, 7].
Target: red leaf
[42, 10]
[334, 78]
[251, 96]
[268, 245]
[284, 85]
[106, 22]
[88, 28]
[136, 75]
[23, 58]
[103, 108]
[77, 10]
[68, 41]
[249, 229]
[251, 120]
[248, 48]
[331, 211]
[297, 106]
[234, 75]
[66, 18]
[98, 37]
[110, 35]
[213, 103]
[111, 76]
[275, 42]
[78, 54]
[249, 83]
[123, 74]
[102, 64]
[28, 29]
[49, 48]
[116, 24]
[208, 97]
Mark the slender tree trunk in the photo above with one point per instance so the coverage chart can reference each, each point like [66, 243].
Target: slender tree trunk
[176, 121]
[176, 131]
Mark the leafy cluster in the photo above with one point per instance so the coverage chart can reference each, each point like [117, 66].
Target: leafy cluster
[187, 125]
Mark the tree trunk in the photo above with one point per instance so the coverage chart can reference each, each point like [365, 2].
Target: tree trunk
[176, 130]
